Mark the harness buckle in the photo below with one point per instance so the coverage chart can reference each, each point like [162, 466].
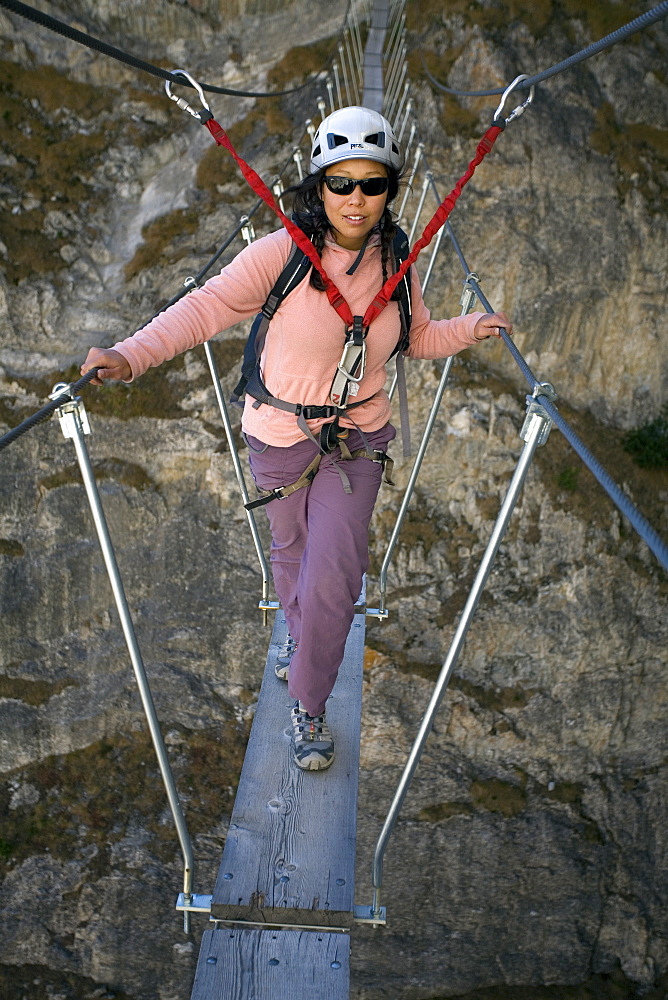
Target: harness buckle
[202, 116]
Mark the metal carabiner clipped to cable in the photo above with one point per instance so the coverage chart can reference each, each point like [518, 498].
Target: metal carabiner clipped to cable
[201, 116]
[519, 110]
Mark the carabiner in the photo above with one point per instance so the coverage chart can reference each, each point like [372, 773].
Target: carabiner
[519, 110]
[201, 116]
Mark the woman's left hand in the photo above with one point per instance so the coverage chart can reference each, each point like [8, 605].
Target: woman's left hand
[490, 326]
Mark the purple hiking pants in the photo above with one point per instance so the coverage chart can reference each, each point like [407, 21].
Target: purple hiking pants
[319, 552]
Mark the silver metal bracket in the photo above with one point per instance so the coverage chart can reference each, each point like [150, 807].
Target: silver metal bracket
[247, 229]
[380, 613]
[468, 296]
[195, 902]
[269, 605]
[537, 412]
[367, 915]
[71, 413]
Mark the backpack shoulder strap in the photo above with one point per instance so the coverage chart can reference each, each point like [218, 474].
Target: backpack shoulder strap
[295, 270]
[401, 249]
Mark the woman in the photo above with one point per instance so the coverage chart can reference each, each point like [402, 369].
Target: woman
[319, 550]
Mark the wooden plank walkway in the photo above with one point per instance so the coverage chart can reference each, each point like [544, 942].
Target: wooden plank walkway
[272, 965]
[373, 91]
[289, 857]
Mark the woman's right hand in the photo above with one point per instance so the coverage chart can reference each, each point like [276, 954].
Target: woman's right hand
[112, 365]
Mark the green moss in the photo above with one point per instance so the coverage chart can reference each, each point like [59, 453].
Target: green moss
[18, 982]
[649, 444]
[299, 63]
[33, 693]
[639, 151]
[97, 795]
[59, 132]
[116, 469]
[162, 240]
[498, 796]
[444, 810]
[567, 478]
[9, 547]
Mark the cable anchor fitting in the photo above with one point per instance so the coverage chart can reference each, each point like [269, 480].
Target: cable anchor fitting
[468, 296]
[537, 414]
[202, 116]
[519, 110]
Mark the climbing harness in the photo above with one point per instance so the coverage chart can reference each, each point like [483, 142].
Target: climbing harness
[308, 475]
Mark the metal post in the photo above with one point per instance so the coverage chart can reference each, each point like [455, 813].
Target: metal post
[330, 92]
[322, 108]
[412, 135]
[74, 425]
[409, 108]
[536, 428]
[423, 195]
[265, 603]
[432, 260]
[354, 85]
[344, 67]
[277, 188]
[467, 300]
[337, 81]
[409, 183]
[398, 100]
[298, 156]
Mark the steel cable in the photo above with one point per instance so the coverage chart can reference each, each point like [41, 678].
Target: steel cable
[37, 17]
[46, 411]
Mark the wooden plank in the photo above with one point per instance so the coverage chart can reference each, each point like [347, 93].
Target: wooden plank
[289, 856]
[241, 964]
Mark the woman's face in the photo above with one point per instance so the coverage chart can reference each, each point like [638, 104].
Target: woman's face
[354, 215]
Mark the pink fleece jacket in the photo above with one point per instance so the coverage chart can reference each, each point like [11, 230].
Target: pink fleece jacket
[305, 337]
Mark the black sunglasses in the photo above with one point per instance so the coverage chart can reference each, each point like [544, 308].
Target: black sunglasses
[370, 187]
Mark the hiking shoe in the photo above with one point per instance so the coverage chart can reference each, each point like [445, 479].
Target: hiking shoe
[312, 743]
[282, 665]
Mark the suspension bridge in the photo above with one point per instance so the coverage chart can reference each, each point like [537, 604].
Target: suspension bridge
[284, 903]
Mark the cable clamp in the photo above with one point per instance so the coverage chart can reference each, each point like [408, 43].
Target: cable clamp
[467, 299]
[190, 282]
[544, 389]
[519, 110]
[202, 116]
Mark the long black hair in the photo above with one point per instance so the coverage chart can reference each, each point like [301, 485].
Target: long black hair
[309, 214]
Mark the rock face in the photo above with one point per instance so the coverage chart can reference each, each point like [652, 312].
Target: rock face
[529, 861]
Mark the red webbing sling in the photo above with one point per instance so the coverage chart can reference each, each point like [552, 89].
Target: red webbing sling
[333, 294]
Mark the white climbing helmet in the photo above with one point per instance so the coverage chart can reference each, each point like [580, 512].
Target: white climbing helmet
[355, 133]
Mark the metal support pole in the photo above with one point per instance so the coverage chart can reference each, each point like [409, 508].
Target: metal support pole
[536, 428]
[330, 92]
[423, 194]
[412, 135]
[278, 190]
[298, 157]
[409, 108]
[398, 100]
[265, 603]
[467, 300]
[337, 81]
[409, 183]
[74, 425]
[344, 67]
[432, 259]
[354, 86]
